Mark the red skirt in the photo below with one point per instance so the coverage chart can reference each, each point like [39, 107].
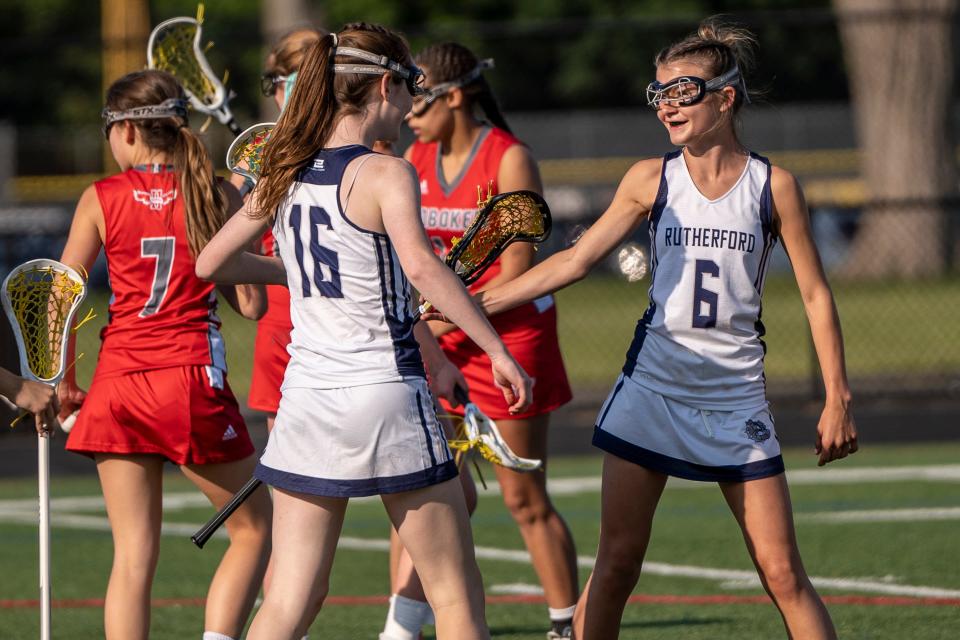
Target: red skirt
[176, 412]
[531, 337]
[270, 360]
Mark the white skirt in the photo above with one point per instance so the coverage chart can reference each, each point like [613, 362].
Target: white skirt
[664, 435]
[357, 441]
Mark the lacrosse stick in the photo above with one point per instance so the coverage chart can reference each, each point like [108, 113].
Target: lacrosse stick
[40, 298]
[245, 155]
[174, 46]
[481, 433]
[514, 216]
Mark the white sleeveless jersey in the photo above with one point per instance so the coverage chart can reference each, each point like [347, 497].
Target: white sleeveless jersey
[350, 302]
[699, 340]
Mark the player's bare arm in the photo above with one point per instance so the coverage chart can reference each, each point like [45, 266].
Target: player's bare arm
[836, 432]
[397, 193]
[249, 300]
[518, 171]
[630, 206]
[83, 246]
[227, 258]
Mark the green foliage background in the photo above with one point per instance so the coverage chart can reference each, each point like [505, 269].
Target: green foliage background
[552, 54]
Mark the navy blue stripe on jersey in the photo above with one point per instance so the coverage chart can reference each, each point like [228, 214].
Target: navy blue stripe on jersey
[328, 165]
[639, 335]
[392, 285]
[406, 351]
[339, 488]
[660, 203]
[613, 396]
[766, 222]
[683, 469]
[426, 430]
[766, 197]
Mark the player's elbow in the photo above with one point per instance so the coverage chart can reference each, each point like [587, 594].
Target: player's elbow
[206, 266]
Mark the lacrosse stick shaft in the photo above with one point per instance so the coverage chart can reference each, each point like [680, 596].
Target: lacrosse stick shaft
[206, 531]
[43, 466]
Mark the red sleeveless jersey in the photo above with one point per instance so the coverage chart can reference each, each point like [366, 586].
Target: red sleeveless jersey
[447, 209]
[161, 314]
[530, 330]
[278, 296]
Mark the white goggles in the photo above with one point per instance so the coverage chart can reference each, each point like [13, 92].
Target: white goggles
[687, 90]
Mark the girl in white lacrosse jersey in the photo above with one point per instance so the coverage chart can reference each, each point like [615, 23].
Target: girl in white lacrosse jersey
[690, 401]
[355, 415]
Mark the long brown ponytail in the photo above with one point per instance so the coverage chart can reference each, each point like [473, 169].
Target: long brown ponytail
[449, 61]
[203, 201]
[318, 101]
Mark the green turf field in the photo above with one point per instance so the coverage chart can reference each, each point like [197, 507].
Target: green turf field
[890, 329]
[902, 564]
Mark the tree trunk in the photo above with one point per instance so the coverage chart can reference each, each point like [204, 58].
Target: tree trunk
[899, 58]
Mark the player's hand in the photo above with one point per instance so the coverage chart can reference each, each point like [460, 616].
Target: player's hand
[514, 383]
[444, 378]
[41, 400]
[71, 397]
[836, 433]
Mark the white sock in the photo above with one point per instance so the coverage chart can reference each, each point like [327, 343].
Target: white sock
[560, 615]
[405, 618]
[213, 635]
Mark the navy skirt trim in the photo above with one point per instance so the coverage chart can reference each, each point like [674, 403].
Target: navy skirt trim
[681, 468]
[355, 488]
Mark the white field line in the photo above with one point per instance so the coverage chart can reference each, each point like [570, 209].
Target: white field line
[883, 515]
[568, 486]
[727, 578]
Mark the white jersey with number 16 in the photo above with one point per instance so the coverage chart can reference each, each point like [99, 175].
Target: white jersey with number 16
[350, 302]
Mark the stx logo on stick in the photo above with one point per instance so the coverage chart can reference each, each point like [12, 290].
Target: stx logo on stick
[156, 199]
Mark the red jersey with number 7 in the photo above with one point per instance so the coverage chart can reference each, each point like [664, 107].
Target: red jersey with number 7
[161, 313]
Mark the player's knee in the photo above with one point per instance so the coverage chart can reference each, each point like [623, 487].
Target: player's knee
[782, 576]
[527, 507]
[621, 560]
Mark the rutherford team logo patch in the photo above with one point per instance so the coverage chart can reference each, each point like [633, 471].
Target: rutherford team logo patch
[156, 199]
[756, 431]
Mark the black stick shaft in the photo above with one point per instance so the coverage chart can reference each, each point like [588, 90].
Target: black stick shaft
[200, 537]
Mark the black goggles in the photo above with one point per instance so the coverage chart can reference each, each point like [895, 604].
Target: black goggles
[270, 82]
[422, 104]
[689, 90]
[412, 75]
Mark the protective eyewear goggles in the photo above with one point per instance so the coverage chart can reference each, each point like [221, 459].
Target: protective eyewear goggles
[269, 84]
[169, 108]
[422, 104]
[412, 74]
[689, 90]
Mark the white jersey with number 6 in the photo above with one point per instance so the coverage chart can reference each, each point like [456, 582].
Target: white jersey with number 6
[350, 302]
[699, 341]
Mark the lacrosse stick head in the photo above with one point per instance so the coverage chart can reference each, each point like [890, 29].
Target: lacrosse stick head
[40, 298]
[245, 155]
[501, 220]
[174, 46]
[482, 430]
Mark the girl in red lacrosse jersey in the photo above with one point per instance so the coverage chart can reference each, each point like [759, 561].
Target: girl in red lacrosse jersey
[455, 153]
[159, 391]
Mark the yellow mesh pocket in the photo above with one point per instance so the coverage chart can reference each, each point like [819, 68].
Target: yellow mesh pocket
[173, 52]
[41, 300]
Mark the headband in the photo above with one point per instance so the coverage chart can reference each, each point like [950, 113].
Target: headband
[381, 64]
[169, 108]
